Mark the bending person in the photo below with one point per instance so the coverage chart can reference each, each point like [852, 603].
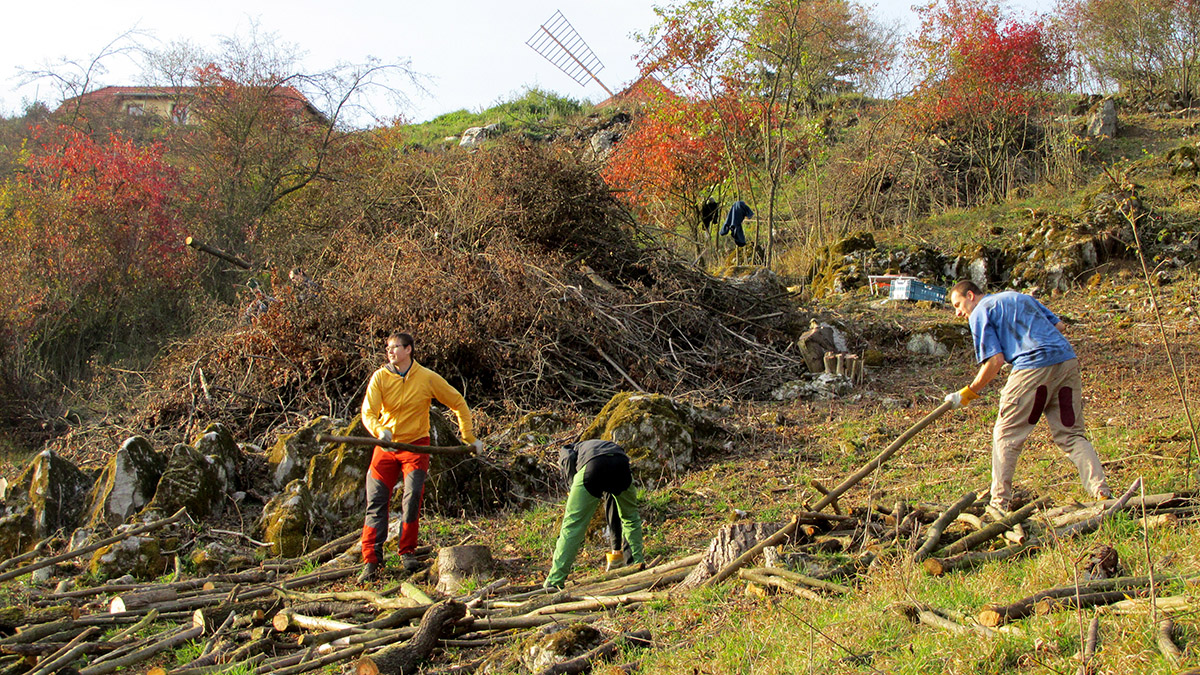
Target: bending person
[595, 468]
[1011, 327]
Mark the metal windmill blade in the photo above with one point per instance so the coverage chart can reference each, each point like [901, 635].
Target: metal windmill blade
[558, 43]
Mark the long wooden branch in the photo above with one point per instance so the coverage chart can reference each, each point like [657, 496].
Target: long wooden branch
[46, 562]
[144, 653]
[756, 576]
[396, 445]
[217, 253]
[67, 654]
[934, 536]
[994, 614]
[803, 580]
[881, 457]
[1093, 524]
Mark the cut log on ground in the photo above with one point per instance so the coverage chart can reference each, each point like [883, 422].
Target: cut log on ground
[406, 658]
[996, 614]
[934, 536]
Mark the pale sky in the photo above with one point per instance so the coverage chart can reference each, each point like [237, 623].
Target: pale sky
[474, 52]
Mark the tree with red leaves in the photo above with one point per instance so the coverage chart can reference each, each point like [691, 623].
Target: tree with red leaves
[91, 248]
[761, 67]
[987, 82]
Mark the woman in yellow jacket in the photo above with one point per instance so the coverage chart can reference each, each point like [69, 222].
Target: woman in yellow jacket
[396, 407]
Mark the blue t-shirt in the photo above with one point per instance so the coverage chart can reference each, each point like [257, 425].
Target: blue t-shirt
[1021, 328]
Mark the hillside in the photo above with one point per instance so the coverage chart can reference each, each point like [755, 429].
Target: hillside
[544, 298]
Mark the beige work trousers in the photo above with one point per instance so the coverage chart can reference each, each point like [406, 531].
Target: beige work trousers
[1055, 393]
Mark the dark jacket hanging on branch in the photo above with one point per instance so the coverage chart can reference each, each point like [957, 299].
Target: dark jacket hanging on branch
[733, 222]
[710, 211]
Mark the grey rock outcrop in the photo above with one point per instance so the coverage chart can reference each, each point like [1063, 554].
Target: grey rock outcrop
[50, 495]
[1103, 122]
[659, 433]
[127, 484]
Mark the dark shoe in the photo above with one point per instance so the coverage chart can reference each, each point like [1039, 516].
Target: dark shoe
[370, 572]
[411, 562]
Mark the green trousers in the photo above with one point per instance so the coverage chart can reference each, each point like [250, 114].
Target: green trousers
[581, 505]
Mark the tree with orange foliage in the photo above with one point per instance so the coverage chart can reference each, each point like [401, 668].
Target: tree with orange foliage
[761, 66]
[667, 165]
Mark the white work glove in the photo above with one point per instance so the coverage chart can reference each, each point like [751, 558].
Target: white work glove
[961, 397]
[478, 445]
[385, 435]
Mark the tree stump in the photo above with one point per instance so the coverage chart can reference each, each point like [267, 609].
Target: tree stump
[406, 658]
[731, 541]
[457, 563]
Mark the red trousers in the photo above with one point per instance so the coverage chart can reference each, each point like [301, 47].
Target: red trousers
[387, 468]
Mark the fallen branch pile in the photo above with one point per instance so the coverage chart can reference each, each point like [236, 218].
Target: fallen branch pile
[287, 624]
[277, 620]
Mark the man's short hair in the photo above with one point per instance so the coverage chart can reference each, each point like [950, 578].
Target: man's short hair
[404, 339]
[966, 285]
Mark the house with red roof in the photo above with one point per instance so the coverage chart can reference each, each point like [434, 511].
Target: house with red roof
[176, 104]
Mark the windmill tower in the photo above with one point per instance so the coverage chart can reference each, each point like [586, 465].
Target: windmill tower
[559, 43]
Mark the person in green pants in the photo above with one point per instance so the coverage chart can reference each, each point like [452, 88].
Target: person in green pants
[595, 468]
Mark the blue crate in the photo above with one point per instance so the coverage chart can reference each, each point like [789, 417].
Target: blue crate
[911, 289]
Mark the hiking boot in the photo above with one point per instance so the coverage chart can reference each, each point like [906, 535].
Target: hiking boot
[370, 572]
[411, 562]
[613, 560]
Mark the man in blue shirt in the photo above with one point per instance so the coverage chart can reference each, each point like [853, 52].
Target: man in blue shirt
[1015, 328]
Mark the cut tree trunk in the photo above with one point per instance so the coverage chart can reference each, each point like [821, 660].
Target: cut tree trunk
[995, 614]
[406, 658]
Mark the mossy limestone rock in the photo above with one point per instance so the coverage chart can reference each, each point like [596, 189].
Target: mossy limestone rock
[289, 519]
[657, 432]
[939, 339]
[289, 457]
[127, 483]
[559, 646]
[191, 480]
[216, 442]
[339, 474]
[139, 556]
[513, 477]
[49, 495]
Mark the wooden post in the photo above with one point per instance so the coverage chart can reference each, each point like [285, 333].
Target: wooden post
[830, 362]
[841, 363]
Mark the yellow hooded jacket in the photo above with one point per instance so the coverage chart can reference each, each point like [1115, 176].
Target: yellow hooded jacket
[401, 403]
